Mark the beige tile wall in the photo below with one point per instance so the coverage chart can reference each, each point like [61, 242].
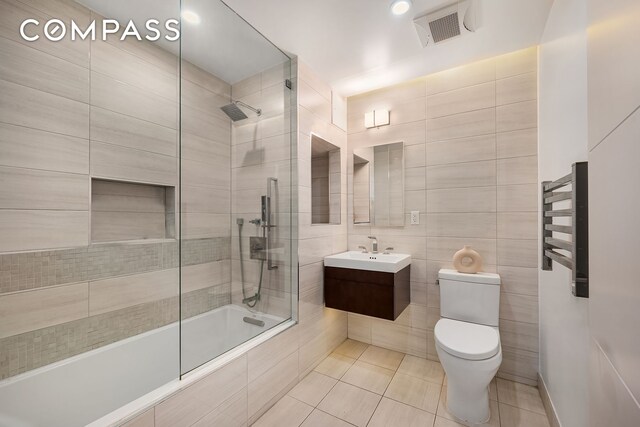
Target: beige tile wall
[70, 112]
[27, 311]
[320, 329]
[44, 141]
[47, 110]
[470, 139]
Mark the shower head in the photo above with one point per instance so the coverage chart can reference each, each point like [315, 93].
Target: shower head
[235, 113]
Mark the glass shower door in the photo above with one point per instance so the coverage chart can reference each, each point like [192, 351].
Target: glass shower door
[236, 164]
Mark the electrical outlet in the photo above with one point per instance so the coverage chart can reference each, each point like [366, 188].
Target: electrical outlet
[415, 217]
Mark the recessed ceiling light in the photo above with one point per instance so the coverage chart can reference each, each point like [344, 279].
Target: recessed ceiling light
[400, 7]
[191, 17]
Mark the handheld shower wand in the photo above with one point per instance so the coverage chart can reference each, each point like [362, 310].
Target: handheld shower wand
[259, 246]
[267, 222]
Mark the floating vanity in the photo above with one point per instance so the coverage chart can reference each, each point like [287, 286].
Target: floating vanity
[366, 283]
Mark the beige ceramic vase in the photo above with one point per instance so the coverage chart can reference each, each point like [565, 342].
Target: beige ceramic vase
[466, 260]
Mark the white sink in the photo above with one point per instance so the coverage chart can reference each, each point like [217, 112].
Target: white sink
[388, 263]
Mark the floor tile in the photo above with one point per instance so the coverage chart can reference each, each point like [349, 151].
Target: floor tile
[388, 359]
[351, 348]
[493, 389]
[415, 392]
[335, 365]
[520, 395]
[427, 370]
[369, 377]
[510, 416]
[313, 388]
[288, 412]
[494, 421]
[393, 414]
[322, 419]
[443, 422]
[350, 403]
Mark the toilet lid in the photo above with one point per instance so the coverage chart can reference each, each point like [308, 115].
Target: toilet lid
[467, 340]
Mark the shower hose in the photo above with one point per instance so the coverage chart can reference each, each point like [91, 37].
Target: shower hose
[244, 292]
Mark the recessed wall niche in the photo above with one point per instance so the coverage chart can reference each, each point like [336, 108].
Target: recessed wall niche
[325, 182]
[131, 211]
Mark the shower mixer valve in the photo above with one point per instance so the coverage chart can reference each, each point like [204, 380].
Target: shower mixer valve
[258, 248]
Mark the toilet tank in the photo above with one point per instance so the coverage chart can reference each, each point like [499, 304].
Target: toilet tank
[470, 297]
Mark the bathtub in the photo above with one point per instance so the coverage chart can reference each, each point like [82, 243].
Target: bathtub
[82, 389]
[218, 331]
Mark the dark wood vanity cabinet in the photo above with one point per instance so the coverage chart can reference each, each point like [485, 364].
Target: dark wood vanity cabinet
[372, 293]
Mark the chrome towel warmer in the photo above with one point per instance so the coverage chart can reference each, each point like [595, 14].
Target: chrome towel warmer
[572, 253]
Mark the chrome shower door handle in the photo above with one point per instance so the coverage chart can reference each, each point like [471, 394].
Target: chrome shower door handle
[268, 225]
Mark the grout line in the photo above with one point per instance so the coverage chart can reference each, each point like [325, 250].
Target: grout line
[381, 395]
[144, 89]
[621, 123]
[522, 409]
[43, 170]
[329, 392]
[495, 159]
[136, 149]
[324, 412]
[48, 92]
[45, 131]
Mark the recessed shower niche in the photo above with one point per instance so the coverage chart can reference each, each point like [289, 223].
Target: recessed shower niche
[325, 182]
[123, 210]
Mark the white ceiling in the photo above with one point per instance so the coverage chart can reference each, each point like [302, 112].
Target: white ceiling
[357, 45]
[354, 45]
[222, 43]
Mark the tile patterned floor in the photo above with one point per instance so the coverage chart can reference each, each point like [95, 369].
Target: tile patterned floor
[362, 385]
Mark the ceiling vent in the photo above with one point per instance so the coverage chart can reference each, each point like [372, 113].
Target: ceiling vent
[448, 22]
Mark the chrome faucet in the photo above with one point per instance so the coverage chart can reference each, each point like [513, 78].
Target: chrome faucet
[364, 249]
[374, 244]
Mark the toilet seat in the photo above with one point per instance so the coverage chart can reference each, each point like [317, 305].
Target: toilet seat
[466, 340]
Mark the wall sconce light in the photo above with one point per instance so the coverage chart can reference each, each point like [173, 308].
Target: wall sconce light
[369, 119]
[376, 118]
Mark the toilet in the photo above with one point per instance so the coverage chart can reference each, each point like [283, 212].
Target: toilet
[468, 341]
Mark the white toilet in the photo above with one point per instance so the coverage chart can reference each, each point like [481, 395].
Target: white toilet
[468, 341]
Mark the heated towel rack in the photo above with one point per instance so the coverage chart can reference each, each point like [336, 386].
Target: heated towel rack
[573, 252]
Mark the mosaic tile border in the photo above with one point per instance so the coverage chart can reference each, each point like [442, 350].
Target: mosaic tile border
[32, 270]
[30, 350]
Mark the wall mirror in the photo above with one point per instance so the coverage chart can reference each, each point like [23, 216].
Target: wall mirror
[378, 185]
[325, 182]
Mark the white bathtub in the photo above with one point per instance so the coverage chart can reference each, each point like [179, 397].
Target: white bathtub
[217, 332]
[84, 388]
